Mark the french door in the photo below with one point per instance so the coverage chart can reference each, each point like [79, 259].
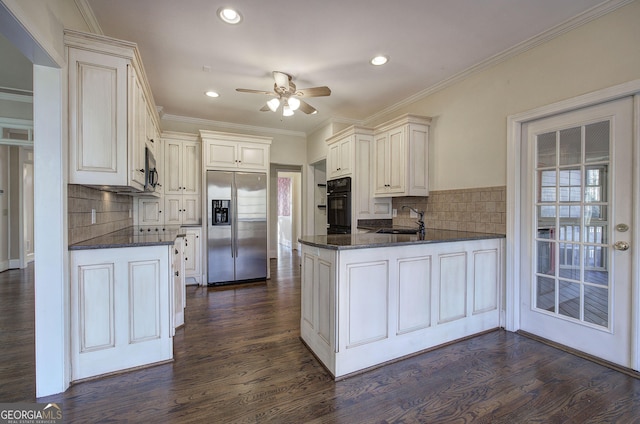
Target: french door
[577, 225]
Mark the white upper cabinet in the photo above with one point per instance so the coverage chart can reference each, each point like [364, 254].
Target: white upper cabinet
[137, 128]
[182, 163]
[341, 155]
[351, 153]
[226, 151]
[110, 108]
[401, 166]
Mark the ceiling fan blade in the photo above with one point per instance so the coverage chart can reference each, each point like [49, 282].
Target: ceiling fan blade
[313, 92]
[282, 79]
[247, 90]
[306, 107]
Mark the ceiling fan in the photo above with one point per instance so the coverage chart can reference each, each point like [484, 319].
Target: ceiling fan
[286, 94]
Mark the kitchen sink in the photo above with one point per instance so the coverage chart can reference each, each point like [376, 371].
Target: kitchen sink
[397, 230]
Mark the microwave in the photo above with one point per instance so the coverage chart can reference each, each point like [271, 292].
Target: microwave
[150, 171]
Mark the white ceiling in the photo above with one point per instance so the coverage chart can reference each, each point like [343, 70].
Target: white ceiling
[322, 42]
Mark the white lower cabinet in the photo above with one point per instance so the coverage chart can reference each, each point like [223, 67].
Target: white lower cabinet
[365, 307]
[178, 278]
[192, 255]
[121, 303]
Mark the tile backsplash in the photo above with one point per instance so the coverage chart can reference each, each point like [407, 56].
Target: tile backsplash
[112, 212]
[474, 209]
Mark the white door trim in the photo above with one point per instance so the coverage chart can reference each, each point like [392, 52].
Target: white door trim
[514, 153]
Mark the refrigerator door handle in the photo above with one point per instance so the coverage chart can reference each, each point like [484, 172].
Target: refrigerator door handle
[235, 220]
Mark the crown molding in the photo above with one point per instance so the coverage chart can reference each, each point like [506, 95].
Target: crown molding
[230, 125]
[89, 17]
[548, 35]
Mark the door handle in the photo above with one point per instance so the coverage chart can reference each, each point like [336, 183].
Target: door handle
[621, 245]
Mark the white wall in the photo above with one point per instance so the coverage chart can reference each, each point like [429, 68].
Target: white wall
[468, 139]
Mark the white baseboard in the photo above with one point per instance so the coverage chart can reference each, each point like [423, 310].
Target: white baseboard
[14, 264]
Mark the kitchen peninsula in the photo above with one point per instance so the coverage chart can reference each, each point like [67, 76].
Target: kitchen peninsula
[371, 298]
[127, 295]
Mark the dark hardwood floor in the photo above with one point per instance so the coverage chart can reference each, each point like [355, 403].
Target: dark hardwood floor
[239, 359]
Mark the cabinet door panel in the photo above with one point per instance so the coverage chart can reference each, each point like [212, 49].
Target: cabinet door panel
[191, 168]
[346, 159]
[396, 160]
[172, 209]
[381, 168]
[98, 118]
[144, 300]
[192, 254]
[137, 128]
[333, 161]
[173, 167]
[190, 209]
[452, 287]
[220, 154]
[254, 157]
[150, 211]
[95, 313]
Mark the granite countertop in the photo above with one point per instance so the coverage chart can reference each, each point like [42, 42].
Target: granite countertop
[136, 236]
[367, 240]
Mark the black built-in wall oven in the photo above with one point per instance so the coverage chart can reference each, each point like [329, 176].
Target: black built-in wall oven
[339, 206]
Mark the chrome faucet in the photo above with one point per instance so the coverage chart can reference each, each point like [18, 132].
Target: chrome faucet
[420, 221]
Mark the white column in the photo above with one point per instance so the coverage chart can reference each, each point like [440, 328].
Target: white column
[50, 225]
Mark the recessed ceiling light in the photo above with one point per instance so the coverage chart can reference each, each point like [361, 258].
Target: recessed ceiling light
[230, 16]
[212, 94]
[379, 60]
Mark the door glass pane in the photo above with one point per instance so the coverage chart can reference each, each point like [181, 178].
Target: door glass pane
[546, 150]
[569, 299]
[596, 265]
[596, 142]
[570, 185]
[546, 294]
[545, 212]
[546, 258]
[595, 189]
[569, 261]
[596, 305]
[570, 146]
[547, 186]
[596, 227]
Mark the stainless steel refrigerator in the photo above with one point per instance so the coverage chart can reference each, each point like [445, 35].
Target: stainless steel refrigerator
[237, 226]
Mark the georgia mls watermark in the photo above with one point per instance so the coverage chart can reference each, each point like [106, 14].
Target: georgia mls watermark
[30, 413]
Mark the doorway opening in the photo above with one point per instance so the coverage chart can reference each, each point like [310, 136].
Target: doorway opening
[289, 209]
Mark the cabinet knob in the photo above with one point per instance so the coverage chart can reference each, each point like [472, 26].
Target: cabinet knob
[177, 273]
[141, 170]
[186, 259]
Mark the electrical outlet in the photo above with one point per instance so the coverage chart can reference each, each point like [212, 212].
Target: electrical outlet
[394, 212]
[93, 216]
[130, 215]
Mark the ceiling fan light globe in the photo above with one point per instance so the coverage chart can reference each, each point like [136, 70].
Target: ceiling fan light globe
[273, 104]
[286, 111]
[293, 103]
